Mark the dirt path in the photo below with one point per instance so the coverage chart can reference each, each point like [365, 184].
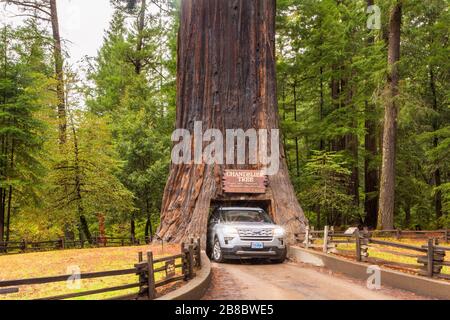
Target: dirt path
[291, 281]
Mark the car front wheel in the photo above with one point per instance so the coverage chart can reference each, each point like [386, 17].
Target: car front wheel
[282, 259]
[217, 252]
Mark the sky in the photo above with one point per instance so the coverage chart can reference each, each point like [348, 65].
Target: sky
[82, 25]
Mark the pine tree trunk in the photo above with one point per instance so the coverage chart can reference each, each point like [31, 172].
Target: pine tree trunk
[226, 79]
[387, 187]
[58, 57]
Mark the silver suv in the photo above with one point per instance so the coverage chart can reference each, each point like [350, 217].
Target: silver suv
[245, 233]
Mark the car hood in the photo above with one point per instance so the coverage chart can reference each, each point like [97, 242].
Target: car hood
[244, 225]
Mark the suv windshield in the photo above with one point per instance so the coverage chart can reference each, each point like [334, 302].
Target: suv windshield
[245, 216]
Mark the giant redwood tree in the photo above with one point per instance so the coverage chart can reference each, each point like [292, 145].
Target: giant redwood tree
[225, 79]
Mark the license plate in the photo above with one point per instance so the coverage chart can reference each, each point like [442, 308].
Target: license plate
[257, 245]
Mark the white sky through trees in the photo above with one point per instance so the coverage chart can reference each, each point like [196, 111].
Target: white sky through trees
[82, 24]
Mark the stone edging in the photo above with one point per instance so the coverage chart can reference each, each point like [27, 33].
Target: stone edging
[195, 288]
[419, 285]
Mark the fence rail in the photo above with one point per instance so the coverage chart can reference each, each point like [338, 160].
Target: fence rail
[179, 267]
[430, 256]
[23, 246]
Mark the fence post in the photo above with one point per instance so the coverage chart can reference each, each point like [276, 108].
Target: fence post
[191, 262]
[325, 239]
[306, 241]
[199, 253]
[398, 234]
[358, 246]
[151, 276]
[446, 235]
[430, 258]
[185, 261]
[24, 245]
[61, 243]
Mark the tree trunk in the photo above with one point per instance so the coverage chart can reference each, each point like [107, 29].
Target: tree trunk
[437, 172]
[84, 232]
[370, 170]
[140, 36]
[407, 216]
[2, 216]
[148, 224]
[10, 194]
[58, 56]
[387, 187]
[133, 228]
[84, 229]
[297, 150]
[226, 79]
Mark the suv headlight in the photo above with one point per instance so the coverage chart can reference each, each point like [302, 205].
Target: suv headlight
[230, 231]
[279, 232]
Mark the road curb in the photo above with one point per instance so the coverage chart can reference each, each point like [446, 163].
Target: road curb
[196, 288]
[416, 284]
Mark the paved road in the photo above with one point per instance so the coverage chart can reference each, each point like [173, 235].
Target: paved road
[291, 281]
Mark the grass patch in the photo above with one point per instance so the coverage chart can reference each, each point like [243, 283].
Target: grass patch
[54, 263]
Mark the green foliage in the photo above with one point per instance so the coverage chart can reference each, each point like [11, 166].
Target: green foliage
[331, 77]
[327, 177]
[140, 103]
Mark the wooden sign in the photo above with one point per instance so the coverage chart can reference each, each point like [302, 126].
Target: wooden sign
[170, 269]
[244, 181]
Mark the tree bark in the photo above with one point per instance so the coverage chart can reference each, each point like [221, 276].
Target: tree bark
[370, 170]
[297, 148]
[387, 187]
[83, 229]
[58, 56]
[226, 79]
[133, 228]
[140, 36]
[407, 216]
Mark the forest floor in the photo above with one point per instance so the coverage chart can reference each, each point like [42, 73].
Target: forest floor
[54, 263]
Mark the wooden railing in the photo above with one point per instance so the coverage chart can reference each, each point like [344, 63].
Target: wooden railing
[430, 256]
[179, 267]
[23, 246]
[398, 234]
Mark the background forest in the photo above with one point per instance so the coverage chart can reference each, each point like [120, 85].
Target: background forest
[79, 146]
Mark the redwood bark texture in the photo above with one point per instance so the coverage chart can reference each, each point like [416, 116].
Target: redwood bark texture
[226, 79]
[387, 188]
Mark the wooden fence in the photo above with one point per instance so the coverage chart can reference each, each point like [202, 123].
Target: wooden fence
[180, 267]
[443, 235]
[23, 246]
[430, 256]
